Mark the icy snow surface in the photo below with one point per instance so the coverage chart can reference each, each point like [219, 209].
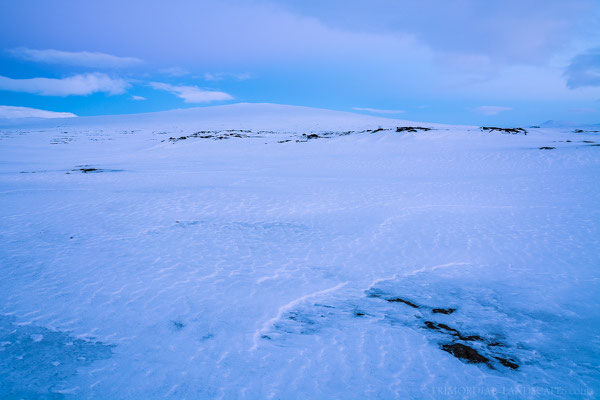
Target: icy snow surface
[167, 256]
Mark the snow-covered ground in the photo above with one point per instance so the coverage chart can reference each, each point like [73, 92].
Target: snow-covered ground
[163, 256]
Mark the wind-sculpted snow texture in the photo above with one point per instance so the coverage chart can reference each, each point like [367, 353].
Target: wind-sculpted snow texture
[291, 253]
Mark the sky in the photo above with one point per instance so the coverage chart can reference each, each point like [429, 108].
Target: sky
[461, 62]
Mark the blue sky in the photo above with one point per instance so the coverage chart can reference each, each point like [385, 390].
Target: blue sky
[466, 61]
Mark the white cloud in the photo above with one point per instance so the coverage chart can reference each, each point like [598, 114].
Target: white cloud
[78, 58]
[134, 97]
[192, 94]
[491, 110]
[174, 71]
[26, 112]
[81, 85]
[217, 76]
[378, 111]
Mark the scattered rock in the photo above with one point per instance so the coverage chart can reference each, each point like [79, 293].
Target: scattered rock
[311, 136]
[451, 331]
[443, 310]
[471, 338]
[87, 169]
[512, 131]
[412, 129]
[464, 352]
[431, 325]
[582, 131]
[399, 300]
[216, 135]
[507, 363]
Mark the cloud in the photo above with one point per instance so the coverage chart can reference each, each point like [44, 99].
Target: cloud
[77, 58]
[192, 94]
[243, 34]
[338, 52]
[491, 110]
[584, 70]
[510, 31]
[378, 111]
[583, 110]
[26, 112]
[174, 71]
[134, 97]
[80, 85]
[217, 76]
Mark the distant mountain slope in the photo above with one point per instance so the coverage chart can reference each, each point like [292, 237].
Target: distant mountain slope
[256, 116]
[565, 124]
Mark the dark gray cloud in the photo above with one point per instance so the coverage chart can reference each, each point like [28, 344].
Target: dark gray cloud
[510, 31]
[584, 69]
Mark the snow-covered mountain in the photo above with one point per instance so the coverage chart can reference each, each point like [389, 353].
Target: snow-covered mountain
[566, 124]
[257, 116]
[267, 251]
